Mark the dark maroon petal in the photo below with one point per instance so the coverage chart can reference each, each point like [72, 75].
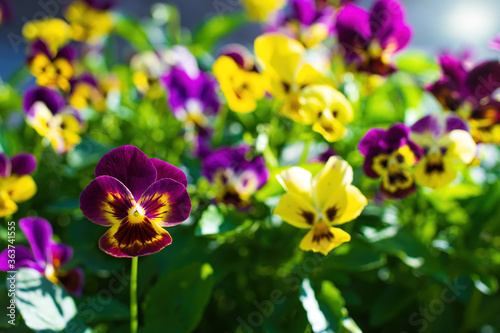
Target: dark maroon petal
[23, 259]
[483, 80]
[6, 10]
[5, 166]
[416, 149]
[455, 123]
[371, 140]
[38, 47]
[368, 166]
[166, 203]
[384, 15]
[106, 201]
[167, 170]
[304, 11]
[133, 239]
[101, 4]
[23, 164]
[38, 232]
[232, 158]
[398, 37]
[51, 98]
[428, 124]
[68, 53]
[61, 254]
[396, 136]
[353, 30]
[73, 281]
[239, 54]
[454, 70]
[130, 166]
[447, 93]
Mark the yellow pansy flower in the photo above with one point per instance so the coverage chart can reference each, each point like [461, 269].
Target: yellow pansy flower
[242, 88]
[320, 203]
[54, 32]
[87, 23]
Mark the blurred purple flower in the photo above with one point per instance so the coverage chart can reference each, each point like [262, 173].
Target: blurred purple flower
[494, 44]
[236, 176]
[44, 255]
[389, 154]
[370, 38]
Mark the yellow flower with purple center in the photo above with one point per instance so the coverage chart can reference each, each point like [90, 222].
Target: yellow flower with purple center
[47, 113]
[44, 255]
[235, 174]
[89, 19]
[16, 184]
[390, 155]
[53, 32]
[286, 73]
[370, 38]
[320, 203]
[307, 21]
[135, 196]
[53, 71]
[260, 10]
[445, 142]
[239, 79]
[329, 109]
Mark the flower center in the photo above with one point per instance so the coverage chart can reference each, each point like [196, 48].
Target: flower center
[136, 214]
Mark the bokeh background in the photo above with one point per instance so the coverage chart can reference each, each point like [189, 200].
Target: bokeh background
[441, 25]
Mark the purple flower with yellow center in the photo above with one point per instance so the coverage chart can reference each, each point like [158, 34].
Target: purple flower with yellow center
[191, 98]
[370, 38]
[89, 19]
[445, 143]
[6, 12]
[235, 174]
[468, 93]
[51, 70]
[390, 154]
[320, 203]
[239, 79]
[47, 113]
[305, 21]
[44, 255]
[135, 196]
[16, 184]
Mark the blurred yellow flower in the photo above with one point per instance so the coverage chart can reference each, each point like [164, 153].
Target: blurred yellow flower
[260, 10]
[52, 31]
[87, 23]
[319, 203]
[242, 88]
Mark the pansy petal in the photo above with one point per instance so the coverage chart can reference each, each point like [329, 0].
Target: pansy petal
[5, 166]
[434, 176]
[296, 181]
[455, 123]
[330, 180]
[398, 38]
[130, 166]
[23, 164]
[324, 239]
[428, 124]
[38, 232]
[106, 201]
[462, 147]
[72, 281]
[355, 203]
[166, 203]
[23, 258]
[294, 211]
[127, 239]
[167, 170]
[483, 80]
[371, 140]
[61, 254]
[353, 30]
[384, 15]
[304, 10]
[51, 98]
[21, 188]
[395, 137]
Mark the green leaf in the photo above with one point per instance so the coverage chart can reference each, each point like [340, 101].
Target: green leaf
[418, 63]
[131, 30]
[360, 258]
[217, 27]
[389, 304]
[221, 219]
[178, 300]
[44, 305]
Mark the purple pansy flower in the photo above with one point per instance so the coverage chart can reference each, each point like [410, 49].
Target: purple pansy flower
[191, 98]
[47, 113]
[306, 21]
[469, 94]
[16, 184]
[389, 154]
[85, 91]
[370, 38]
[135, 196]
[44, 255]
[236, 176]
[100, 4]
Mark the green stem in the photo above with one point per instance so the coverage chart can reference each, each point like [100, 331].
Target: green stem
[305, 152]
[134, 323]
